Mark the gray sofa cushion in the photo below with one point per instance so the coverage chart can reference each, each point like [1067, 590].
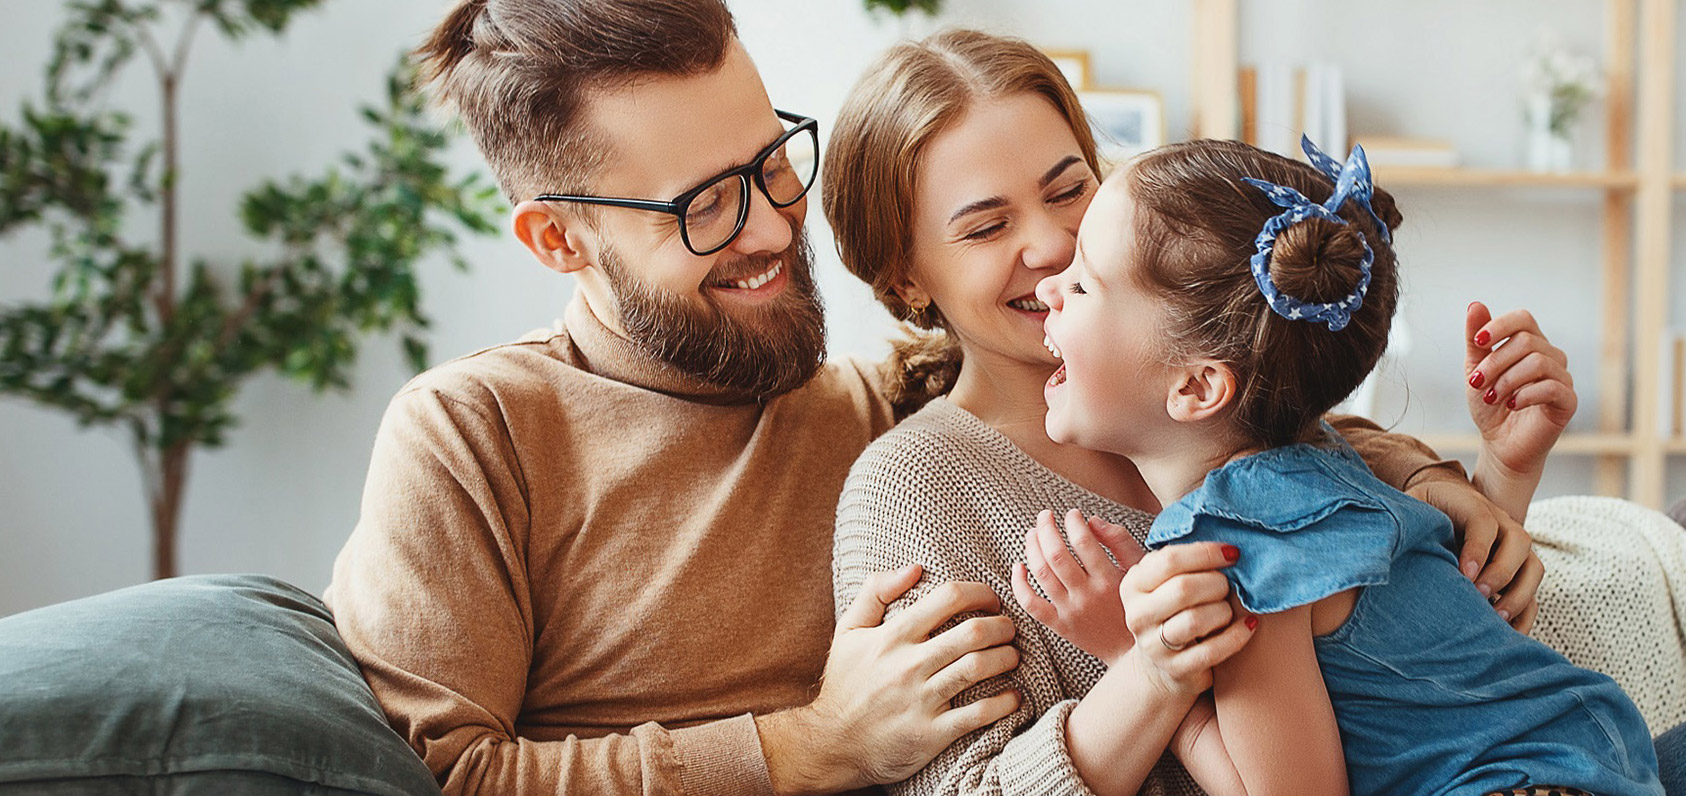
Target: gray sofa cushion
[227, 684]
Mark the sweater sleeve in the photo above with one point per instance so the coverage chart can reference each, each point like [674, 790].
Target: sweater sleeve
[431, 596]
[1398, 460]
[886, 520]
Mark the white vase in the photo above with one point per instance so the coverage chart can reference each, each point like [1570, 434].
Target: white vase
[1551, 151]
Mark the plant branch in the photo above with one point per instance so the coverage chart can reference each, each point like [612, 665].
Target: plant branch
[185, 42]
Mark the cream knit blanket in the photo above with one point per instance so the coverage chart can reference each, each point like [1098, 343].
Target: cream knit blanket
[1614, 597]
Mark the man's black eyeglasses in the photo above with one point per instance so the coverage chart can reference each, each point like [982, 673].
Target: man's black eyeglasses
[712, 214]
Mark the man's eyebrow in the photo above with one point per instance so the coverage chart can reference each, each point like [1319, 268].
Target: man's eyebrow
[715, 174]
[1058, 169]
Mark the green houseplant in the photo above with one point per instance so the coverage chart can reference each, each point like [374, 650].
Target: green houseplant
[136, 336]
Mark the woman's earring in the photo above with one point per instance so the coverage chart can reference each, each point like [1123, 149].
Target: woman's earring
[919, 309]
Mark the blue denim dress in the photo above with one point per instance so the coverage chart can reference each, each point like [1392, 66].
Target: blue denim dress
[1434, 693]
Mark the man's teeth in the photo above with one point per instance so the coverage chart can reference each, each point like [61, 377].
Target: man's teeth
[1052, 349]
[757, 281]
[1028, 305]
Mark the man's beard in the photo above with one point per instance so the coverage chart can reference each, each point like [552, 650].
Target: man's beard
[761, 351]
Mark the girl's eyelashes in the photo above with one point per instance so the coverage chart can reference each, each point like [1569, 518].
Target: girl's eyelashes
[1076, 288]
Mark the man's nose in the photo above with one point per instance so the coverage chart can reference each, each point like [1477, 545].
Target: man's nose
[766, 229]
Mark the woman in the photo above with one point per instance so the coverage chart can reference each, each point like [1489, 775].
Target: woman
[956, 178]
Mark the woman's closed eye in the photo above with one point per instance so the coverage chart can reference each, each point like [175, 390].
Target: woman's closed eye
[1071, 194]
[986, 233]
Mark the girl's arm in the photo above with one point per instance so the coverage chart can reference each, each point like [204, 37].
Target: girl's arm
[1176, 596]
[1276, 728]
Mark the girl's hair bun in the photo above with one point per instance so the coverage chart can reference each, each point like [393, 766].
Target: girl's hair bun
[1317, 261]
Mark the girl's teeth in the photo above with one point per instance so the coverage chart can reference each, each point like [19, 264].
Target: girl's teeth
[1048, 342]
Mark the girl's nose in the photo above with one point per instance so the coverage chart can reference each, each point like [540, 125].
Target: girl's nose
[1048, 290]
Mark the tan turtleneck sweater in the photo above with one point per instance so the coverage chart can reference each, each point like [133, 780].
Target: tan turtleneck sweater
[577, 571]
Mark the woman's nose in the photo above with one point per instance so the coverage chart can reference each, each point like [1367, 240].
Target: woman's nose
[1051, 244]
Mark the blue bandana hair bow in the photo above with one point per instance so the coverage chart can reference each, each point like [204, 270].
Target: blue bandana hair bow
[1352, 181]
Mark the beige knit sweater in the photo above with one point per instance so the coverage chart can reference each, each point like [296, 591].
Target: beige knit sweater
[947, 491]
[579, 572]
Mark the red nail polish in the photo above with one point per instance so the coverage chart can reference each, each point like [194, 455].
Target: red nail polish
[1231, 552]
[1252, 622]
[1492, 396]
[1510, 403]
[1482, 337]
[1476, 380]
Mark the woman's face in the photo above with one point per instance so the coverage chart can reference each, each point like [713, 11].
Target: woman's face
[997, 203]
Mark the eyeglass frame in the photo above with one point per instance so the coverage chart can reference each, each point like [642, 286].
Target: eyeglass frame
[751, 170]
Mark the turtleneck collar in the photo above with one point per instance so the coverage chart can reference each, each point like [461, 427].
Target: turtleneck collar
[602, 352]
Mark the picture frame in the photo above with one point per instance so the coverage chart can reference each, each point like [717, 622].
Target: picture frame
[1125, 122]
[1075, 65]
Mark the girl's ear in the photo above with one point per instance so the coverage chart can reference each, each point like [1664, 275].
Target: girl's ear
[1200, 390]
[560, 241]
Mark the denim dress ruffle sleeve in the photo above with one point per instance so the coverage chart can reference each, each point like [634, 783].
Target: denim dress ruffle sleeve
[1434, 693]
[1305, 531]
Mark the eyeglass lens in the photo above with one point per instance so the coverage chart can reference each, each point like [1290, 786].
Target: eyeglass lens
[716, 214]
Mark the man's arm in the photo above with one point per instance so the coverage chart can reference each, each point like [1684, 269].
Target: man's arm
[430, 594]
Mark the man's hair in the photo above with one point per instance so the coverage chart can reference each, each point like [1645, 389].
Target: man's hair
[519, 72]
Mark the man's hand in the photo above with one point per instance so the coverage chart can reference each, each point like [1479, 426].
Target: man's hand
[1081, 583]
[884, 709]
[1497, 555]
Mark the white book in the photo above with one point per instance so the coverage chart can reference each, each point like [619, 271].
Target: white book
[1316, 111]
[1334, 111]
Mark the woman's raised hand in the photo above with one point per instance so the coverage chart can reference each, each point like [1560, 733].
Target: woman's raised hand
[1177, 605]
[1521, 397]
[1081, 581]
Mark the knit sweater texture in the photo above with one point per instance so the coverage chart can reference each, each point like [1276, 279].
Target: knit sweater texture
[578, 571]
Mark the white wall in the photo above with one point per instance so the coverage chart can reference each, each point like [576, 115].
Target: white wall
[281, 497]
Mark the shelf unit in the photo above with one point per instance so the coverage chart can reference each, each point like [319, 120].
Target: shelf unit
[1637, 190]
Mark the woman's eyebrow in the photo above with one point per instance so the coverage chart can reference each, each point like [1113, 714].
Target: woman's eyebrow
[994, 202]
[1058, 169]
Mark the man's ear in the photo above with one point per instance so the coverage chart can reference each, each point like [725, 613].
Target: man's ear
[1200, 390]
[560, 241]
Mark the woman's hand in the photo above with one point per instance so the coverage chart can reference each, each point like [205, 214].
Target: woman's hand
[1497, 554]
[1176, 604]
[1521, 397]
[1083, 605]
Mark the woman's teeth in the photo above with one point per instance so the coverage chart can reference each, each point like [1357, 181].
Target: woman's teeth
[1052, 349]
[1028, 305]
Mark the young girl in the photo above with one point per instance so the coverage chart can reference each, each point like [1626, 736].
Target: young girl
[1224, 298]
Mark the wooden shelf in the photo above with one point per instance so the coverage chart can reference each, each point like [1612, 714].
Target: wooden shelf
[1593, 444]
[1676, 446]
[1679, 181]
[1498, 178]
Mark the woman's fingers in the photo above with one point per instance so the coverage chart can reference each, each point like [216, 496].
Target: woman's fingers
[1144, 612]
[1533, 368]
[1555, 396]
[1475, 317]
[1212, 650]
[1192, 624]
[1163, 564]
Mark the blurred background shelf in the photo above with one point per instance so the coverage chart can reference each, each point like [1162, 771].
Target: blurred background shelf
[1500, 178]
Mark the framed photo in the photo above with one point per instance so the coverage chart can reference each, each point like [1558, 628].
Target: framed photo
[1125, 123]
[1075, 65]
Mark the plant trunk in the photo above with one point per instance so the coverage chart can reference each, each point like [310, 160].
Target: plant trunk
[168, 485]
